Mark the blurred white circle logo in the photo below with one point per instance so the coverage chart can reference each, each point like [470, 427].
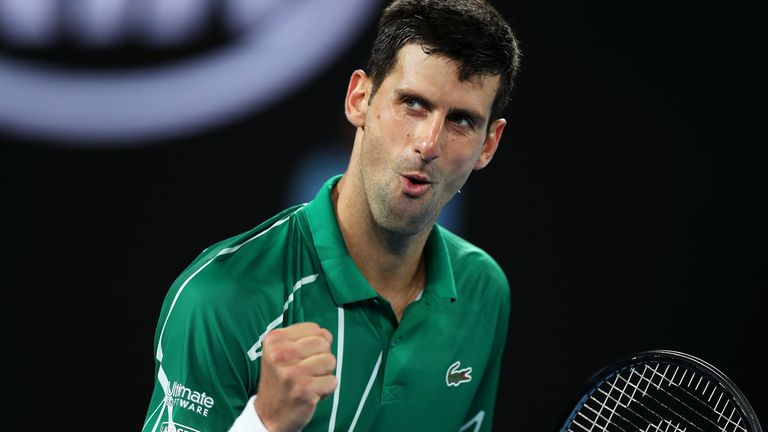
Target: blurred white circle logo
[283, 43]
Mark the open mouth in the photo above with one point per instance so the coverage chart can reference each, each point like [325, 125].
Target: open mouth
[415, 186]
[418, 181]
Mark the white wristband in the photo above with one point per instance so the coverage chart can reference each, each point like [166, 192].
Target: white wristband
[249, 420]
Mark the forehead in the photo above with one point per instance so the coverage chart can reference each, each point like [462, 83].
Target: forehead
[437, 76]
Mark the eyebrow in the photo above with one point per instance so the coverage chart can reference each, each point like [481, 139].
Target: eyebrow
[477, 118]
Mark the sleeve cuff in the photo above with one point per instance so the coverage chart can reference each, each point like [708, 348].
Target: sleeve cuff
[249, 420]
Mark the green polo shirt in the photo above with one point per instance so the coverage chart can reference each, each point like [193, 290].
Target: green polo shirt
[436, 370]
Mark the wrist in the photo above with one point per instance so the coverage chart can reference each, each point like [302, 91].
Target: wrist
[269, 425]
[249, 420]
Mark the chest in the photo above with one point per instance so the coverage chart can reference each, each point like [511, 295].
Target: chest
[419, 374]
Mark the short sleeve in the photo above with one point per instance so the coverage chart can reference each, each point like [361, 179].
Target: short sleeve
[202, 377]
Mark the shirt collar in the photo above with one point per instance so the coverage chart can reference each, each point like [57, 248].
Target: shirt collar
[345, 281]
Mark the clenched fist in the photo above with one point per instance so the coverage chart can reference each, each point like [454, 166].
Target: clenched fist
[296, 373]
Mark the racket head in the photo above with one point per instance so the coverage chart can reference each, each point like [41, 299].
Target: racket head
[661, 390]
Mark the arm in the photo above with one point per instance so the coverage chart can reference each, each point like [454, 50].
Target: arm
[200, 353]
[201, 370]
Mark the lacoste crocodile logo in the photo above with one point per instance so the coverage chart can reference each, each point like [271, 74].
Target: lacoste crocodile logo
[455, 376]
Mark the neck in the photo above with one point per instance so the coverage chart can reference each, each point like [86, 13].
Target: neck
[392, 264]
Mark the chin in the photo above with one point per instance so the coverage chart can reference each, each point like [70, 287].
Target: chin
[403, 225]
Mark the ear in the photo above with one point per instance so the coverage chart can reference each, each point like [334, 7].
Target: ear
[356, 102]
[491, 143]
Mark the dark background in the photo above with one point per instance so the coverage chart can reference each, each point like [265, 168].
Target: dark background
[626, 204]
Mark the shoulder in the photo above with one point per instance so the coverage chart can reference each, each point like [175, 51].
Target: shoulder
[244, 273]
[471, 263]
[482, 287]
[256, 240]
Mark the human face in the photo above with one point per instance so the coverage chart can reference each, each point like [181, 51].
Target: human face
[424, 131]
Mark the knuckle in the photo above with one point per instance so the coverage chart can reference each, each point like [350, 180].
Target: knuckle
[304, 369]
[273, 356]
[327, 364]
[318, 343]
[328, 386]
[271, 337]
[286, 375]
[326, 344]
[304, 326]
[327, 335]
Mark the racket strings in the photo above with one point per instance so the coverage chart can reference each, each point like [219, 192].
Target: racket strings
[655, 405]
[644, 393]
[694, 399]
[738, 426]
[672, 398]
[625, 420]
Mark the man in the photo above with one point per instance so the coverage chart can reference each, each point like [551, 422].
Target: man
[357, 311]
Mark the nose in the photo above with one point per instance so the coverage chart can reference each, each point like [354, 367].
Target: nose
[428, 141]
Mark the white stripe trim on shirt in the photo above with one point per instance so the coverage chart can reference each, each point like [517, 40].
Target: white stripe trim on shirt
[476, 421]
[252, 354]
[339, 361]
[224, 251]
[149, 418]
[365, 393]
[162, 378]
[166, 385]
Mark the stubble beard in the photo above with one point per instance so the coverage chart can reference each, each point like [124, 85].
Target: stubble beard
[381, 196]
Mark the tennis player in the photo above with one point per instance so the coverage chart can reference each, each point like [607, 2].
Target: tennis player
[357, 311]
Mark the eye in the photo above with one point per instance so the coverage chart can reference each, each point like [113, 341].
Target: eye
[413, 103]
[463, 121]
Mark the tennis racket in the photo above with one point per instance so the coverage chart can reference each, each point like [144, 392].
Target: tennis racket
[661, 391]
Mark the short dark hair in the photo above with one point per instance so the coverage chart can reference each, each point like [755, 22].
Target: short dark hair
[470, 32]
